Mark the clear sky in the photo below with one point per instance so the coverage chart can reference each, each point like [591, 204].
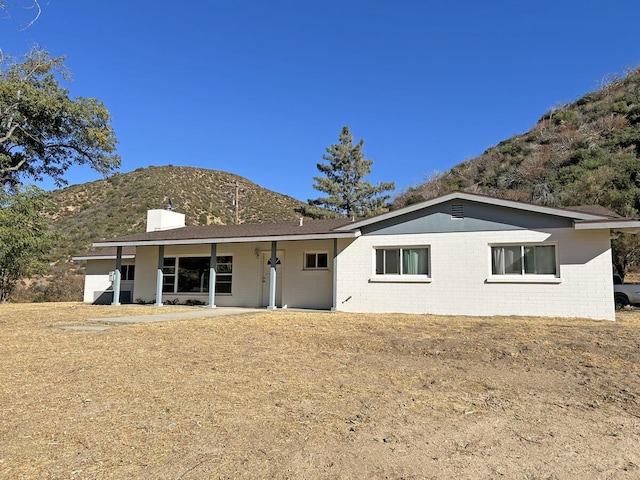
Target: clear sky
[260, 88]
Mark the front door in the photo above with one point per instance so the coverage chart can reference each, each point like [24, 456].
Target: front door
[266, 278]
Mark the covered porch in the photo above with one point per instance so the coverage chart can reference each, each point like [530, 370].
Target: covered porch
[285, 271]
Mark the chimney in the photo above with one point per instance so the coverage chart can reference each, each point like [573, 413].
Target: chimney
[161, 219]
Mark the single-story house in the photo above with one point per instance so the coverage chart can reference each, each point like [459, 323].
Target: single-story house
[458, 254]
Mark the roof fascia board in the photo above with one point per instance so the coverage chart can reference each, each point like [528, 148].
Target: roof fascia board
[473, 198]
[100, 257]
[197, 241]
[630, 226]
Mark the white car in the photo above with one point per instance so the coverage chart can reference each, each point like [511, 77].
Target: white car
[625, 293]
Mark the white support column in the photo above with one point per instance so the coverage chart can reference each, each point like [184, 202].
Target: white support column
[334, 301]
[212, 277]
[117, 276]
[159, 276]
[272, 277]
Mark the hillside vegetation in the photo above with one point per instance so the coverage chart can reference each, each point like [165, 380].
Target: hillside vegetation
[117, 205]
[583, 153]
[586, 152]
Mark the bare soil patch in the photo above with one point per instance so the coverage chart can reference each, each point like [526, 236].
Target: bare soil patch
[317, 395]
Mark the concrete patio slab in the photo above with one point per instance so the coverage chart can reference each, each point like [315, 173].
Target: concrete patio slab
[90, 328]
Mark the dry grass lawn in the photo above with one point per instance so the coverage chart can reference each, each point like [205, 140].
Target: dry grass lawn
[317, 395]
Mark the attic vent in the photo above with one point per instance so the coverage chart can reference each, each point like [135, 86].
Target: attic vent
[457, 211]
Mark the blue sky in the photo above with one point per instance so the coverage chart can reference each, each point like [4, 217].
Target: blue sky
[260, 88]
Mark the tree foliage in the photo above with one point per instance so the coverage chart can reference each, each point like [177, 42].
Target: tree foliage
[348, 193]
[43, 131]
[24, 238]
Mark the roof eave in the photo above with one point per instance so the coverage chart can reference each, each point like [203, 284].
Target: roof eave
[625, 226]
[197, 241]
[82, 258]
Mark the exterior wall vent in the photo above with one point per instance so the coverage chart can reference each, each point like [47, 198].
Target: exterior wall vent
[457, 211]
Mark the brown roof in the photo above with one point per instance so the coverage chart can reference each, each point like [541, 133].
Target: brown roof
[333, 228]
[107, 252]
[595, 210]
[244, 230]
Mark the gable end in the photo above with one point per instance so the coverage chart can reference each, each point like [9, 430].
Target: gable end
[465, 216]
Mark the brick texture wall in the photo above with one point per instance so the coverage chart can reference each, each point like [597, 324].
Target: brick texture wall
[461, 281]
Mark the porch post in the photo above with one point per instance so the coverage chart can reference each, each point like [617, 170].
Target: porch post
[212, 277]
[117, 276]
[272, 277]
[159, 276]
[334, 302]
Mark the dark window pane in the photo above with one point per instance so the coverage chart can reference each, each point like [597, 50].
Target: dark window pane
[322, 260]
[193, 274]
[310, 260]
[392, 262]
[168, 284]
[379, 262]
[540, 260]
[169, 266]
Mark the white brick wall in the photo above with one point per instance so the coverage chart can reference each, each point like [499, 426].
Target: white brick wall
[460, 267]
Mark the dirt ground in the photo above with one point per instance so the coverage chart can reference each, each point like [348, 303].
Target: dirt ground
[317, 395]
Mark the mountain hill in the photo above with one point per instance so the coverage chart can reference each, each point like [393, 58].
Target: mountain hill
[583, 153]
[117, 205]
[586, 152]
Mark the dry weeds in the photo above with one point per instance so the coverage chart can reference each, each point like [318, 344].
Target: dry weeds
[317, 395]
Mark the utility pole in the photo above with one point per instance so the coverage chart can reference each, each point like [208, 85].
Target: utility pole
[236, 199]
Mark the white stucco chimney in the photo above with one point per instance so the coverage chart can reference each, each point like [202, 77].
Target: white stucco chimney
[164, 220]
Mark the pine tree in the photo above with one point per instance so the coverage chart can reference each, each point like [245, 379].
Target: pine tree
[349, 194]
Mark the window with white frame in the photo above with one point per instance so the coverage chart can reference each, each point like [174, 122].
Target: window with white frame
[169, 275]
[224, 274]
[524, 260]
[316, 261]
[402, 261]
[191, 274]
